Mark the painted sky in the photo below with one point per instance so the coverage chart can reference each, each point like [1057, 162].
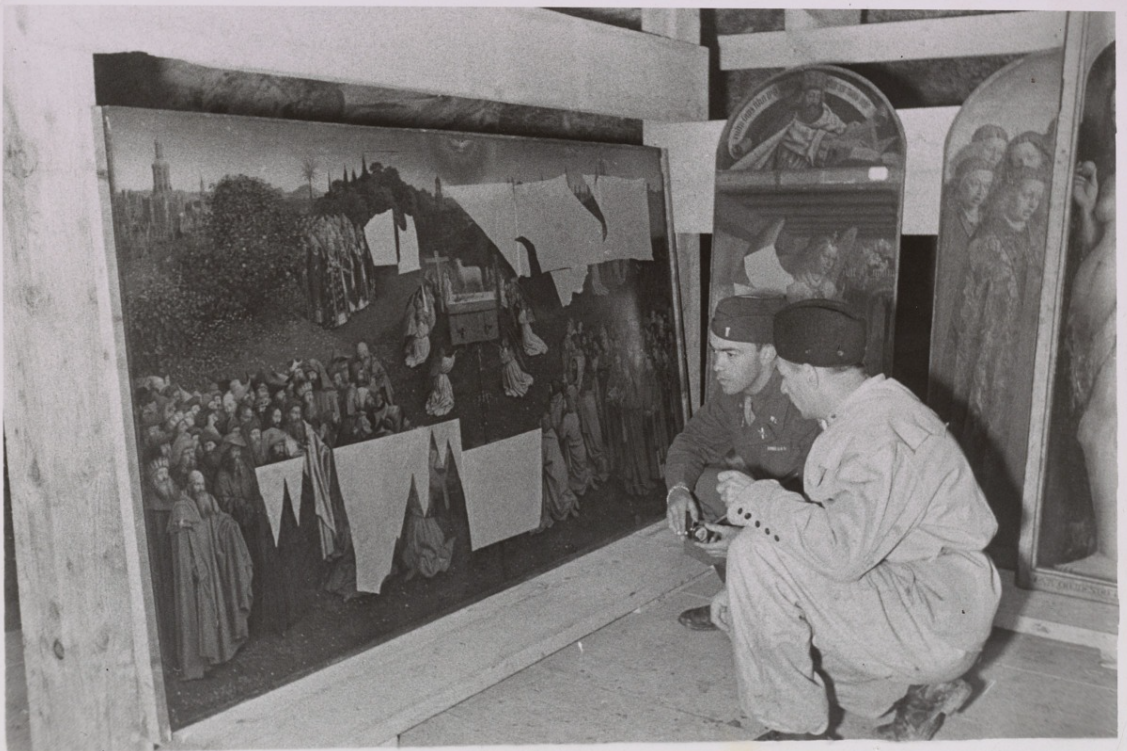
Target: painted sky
[212, 146]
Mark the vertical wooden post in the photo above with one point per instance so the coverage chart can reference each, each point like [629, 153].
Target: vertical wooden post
[683, 24]
[82, 572]
[688, 258]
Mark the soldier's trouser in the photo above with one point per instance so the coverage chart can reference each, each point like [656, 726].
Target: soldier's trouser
[871, 647]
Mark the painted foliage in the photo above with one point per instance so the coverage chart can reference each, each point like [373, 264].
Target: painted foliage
[989, 268]
[333, 330]
[808, 193]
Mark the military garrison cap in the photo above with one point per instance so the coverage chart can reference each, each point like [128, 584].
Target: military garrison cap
[746, 319]
[823, 333]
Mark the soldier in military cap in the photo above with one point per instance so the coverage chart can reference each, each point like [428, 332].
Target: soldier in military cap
[880, 563]
[750, 424]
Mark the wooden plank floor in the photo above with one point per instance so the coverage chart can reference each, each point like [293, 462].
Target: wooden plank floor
[615, 666]
[644, 678]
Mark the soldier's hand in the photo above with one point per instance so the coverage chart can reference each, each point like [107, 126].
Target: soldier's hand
[718, 548]
[732, 485]
[680, 502]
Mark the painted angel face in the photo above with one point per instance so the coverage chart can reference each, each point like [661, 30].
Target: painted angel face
[826, 260]
[974, 187]
[1024, 199]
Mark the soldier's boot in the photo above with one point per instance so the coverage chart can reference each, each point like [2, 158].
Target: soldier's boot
[697, 619]
[778, 735]
[920, 713]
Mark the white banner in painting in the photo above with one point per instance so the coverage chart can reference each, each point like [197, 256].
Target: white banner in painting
[569, 282]
[375, 479]
[493, 207]
[562, 231]
[380, 234]
[625, 206]
[272, 482]
[502, 485]
[764, 273]
[408, 247]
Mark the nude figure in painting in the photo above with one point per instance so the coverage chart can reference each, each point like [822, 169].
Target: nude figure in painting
[1091, 344]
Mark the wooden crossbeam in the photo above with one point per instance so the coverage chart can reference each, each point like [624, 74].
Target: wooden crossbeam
[526, 56]
[960, 36]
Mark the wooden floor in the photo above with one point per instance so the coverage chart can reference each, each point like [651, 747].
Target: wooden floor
[644, 678]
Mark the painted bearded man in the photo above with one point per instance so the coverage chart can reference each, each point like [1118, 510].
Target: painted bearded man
[807, 139]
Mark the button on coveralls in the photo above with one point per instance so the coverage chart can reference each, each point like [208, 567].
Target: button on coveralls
[883, 572]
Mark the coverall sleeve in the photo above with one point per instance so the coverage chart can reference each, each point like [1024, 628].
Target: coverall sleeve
[870, 501]
[704, 441]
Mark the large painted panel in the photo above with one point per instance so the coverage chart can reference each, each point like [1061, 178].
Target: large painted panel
[809, 183]
[989, 269]
[329, 315]
[1075, 546]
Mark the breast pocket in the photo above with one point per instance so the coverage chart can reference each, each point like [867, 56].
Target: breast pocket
[781, 459]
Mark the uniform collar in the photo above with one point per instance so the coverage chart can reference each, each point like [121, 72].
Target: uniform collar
[770, 405]
[860, 394]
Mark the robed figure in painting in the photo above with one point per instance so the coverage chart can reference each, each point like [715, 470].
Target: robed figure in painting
[514, 381]
[441, 398]
[206, 631]
[991, 333]
[557, 499]
[232, 565]
[160, 495]
[236, 489]
[426, 549]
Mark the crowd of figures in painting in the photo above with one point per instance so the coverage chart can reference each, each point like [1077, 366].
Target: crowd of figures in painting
[227, 461]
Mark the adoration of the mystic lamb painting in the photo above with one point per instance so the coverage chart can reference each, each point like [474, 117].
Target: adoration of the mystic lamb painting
[809, 179]
[379, 374]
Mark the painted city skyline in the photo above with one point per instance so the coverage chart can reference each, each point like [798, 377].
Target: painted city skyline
[205, 148]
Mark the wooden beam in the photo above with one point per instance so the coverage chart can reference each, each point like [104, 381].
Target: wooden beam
[371, 698]
[682, 24]
[526, 56]
[692, 169]
[797, 18]
[673, 23]
[960, 36]
[88, 658]
[925, 129]
[692, 298]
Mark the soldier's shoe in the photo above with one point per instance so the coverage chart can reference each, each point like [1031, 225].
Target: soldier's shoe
[920, 713]
[778, 735]
[698, 619]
